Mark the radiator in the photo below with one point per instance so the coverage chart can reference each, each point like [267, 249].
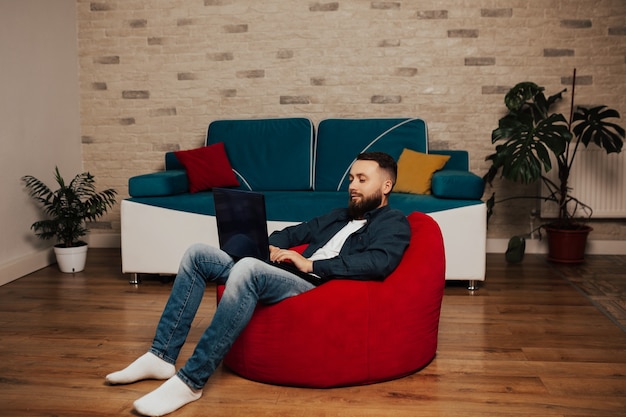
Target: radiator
[598, 180]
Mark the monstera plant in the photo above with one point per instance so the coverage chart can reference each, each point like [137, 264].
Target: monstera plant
[530, 137]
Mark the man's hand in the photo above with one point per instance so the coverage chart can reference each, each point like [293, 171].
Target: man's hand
[285, 255]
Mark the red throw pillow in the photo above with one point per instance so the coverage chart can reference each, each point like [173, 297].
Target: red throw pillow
[207, 167]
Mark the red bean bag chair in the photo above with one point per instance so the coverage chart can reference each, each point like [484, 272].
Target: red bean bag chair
[348, 332]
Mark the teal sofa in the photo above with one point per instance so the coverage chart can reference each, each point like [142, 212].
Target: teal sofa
[303, 171]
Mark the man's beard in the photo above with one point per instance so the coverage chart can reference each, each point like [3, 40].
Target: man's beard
[357, 209]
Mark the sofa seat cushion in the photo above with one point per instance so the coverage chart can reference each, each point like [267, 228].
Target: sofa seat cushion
[290, 206]
[423, 203]
[298, 206]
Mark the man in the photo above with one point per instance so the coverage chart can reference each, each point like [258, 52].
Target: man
[364, 241]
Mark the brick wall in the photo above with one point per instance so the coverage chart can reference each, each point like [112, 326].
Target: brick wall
[154, 73]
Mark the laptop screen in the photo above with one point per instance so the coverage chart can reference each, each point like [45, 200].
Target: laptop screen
[241, 223]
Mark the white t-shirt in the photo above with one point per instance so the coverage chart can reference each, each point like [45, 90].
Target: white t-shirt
[334, 245]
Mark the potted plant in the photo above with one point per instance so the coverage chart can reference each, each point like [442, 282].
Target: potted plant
[67, 208]
[530, 137]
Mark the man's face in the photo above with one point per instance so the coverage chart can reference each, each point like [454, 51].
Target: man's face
[368, 188]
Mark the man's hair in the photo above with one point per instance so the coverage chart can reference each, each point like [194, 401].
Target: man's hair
[385, 162]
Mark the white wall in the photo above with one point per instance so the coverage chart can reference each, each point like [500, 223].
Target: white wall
[39, 119]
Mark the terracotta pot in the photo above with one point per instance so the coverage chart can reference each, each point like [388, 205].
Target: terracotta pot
[567, 245]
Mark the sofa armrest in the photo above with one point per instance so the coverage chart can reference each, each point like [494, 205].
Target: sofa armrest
[155, 184]
[460, 185]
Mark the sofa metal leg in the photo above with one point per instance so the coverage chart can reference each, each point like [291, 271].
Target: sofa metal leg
[472, 285]
[134, 279]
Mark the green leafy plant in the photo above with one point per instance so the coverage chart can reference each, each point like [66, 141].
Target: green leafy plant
[68, 207]
[529, 134]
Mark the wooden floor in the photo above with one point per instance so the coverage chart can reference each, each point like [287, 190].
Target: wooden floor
[526, 344]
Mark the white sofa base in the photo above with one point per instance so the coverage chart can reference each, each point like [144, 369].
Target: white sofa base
[154, 239]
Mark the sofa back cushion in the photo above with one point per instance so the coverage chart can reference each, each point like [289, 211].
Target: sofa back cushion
[267, 154]
[339, 141]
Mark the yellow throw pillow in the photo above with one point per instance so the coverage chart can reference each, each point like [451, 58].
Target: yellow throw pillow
[416, 169]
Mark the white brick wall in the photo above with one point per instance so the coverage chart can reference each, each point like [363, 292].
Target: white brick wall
[154, 73]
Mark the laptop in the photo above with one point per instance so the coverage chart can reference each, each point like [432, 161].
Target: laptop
[242, 228]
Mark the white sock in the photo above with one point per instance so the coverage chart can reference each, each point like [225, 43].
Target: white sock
[170, 396]
[147, 366]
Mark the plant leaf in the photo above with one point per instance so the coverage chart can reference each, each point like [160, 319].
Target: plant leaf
[590, 125]
[527, 146]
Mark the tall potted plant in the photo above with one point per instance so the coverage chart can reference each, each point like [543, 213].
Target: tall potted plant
[67, 208]
[529, 137]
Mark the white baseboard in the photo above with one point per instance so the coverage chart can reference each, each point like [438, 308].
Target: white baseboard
[10, 271]
[594, 247]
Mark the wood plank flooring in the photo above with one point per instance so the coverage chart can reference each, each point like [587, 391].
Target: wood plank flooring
[526, 344]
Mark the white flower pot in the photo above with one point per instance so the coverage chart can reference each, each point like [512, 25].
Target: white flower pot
[71, 260]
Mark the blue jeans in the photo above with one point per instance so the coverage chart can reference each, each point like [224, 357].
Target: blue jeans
[249, 281]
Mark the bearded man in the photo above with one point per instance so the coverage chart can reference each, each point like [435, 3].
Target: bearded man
[364, 241]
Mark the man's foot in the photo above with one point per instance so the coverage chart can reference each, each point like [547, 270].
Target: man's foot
[147, 366]
[170, 396]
